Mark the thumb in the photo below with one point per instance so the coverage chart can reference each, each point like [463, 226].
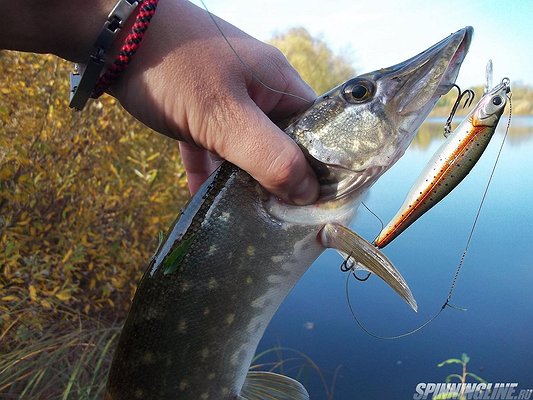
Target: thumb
[254, 143]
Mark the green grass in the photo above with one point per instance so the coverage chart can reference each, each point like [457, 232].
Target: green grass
[461, 378]
[297, 365]
[70, 360]
[67, 362]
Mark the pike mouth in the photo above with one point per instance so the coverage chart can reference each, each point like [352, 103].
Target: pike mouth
[454, 66]
[430, 74]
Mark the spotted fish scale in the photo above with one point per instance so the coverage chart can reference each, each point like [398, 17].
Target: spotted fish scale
[196, 345]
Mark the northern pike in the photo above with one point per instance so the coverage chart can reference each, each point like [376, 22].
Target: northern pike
[450, 163]
[236, 251]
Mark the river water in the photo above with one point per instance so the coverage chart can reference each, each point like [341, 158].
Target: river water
[495, 284]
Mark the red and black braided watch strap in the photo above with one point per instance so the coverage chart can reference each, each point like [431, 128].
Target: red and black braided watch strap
[128, 50]
[92, 83]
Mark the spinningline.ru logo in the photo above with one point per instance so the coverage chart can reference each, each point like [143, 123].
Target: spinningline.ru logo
[474, 391]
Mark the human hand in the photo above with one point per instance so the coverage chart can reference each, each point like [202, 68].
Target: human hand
[187, 83]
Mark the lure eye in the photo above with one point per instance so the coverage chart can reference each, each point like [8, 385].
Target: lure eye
[497, 100]
[358, 91]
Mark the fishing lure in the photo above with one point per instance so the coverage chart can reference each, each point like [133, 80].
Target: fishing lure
[451, 163]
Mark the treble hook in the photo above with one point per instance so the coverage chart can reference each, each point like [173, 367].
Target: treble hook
[470, 95]
[350, 268]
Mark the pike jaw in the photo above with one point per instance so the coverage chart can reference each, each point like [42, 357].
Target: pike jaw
[358, 130]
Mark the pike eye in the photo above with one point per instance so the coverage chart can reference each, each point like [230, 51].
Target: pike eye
[358, 91]
[497, 100]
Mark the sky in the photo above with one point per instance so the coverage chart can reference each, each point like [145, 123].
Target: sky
[381, 33]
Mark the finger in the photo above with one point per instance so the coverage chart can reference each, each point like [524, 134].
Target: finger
[253, 142]
[295, 99]
[198, 163]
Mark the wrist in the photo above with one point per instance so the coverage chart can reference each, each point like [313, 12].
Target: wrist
[67, 28]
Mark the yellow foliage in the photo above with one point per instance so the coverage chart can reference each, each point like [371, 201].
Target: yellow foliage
[313, 59]
[64, 295]
[83, 196]
[10, 298]
[33, 293]
[45, 304]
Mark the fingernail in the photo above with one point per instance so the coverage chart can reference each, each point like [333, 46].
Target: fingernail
[306, 192]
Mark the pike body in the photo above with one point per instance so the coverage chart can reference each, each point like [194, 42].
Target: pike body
[235, 252]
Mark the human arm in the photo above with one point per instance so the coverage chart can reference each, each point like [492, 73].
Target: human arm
[186, 82]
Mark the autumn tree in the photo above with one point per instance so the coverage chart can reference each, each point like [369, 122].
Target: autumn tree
[318, 65]
[82, 198]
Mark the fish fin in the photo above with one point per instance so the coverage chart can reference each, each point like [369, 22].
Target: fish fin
[262, 385]
[347, 242]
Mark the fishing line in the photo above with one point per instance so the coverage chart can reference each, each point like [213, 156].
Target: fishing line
[452, 287]
[461, 261]
[245, 64]
[368, 332]
[374, 214]
[344, 265]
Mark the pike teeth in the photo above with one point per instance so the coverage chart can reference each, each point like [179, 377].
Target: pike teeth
[343, 239]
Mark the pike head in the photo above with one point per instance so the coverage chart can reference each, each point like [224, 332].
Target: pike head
[355, 132]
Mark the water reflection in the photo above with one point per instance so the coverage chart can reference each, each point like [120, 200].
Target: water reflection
[520, 132]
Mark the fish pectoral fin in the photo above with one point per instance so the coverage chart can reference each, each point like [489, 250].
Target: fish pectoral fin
[347, 242]
[262, 385]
